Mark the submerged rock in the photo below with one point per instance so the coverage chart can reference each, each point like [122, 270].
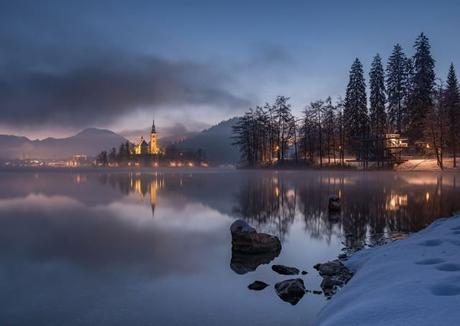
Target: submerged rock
[246, 240]
[244, 263]
[334, 204]
[291, 290]
[335, 274]
[257, 286]
[285, 270]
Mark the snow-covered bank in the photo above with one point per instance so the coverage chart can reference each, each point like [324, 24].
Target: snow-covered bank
[408, 282]
[426, 164]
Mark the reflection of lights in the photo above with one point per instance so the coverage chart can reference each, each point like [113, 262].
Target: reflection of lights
[205, 165]
[155, 164]
[277, 192]
[172, 164]
[290, 194]
[427, 196]
[428, 146]
[395, 202]
[190, 164]
[79, 179]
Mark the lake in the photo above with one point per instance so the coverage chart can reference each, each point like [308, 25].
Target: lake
[154, 248]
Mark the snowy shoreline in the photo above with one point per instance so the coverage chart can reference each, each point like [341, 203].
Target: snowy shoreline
[415, 281]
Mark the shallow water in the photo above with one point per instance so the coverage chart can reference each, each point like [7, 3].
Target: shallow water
[80, 248]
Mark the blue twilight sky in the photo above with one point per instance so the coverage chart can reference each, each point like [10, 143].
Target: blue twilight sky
[67, 65]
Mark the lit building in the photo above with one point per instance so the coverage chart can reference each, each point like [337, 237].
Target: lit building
[144, 148]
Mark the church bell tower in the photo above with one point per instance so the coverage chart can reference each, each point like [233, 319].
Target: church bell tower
[153, 140]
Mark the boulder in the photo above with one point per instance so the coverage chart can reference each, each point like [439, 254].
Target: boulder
[285, 270]
[257, 286]
[246, 240]
[291, 290]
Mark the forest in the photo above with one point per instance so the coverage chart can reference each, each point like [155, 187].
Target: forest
[406, 103]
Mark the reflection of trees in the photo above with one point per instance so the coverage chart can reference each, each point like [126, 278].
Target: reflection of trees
[267, 204]
[374, 205]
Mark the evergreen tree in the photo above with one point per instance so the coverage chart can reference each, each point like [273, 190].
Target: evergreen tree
[398, 70]
[423, 81]
[377, 97]
[452, 104]
[355, 111]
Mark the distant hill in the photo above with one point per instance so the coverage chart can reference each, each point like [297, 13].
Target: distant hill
[216, 142]
[89, 141]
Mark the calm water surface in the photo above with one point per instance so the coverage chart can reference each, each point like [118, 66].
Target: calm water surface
[96, 248]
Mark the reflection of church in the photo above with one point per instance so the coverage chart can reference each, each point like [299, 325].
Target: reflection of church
[146, 186]
[144, 148]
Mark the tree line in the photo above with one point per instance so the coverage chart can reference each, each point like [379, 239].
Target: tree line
[405, 98]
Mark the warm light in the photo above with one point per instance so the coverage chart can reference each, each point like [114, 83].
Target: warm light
[172, 164]
[395, 202]
[190, 164]
[427, 196]
[427, 145]
[277, 192]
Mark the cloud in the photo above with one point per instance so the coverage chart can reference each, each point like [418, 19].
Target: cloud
[101, 91]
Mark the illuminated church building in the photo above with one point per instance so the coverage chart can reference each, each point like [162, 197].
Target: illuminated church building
[144, 148]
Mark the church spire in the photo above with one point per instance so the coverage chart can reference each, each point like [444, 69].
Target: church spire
[153, 128]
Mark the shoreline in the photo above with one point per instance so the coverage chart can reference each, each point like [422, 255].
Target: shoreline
[407, 282]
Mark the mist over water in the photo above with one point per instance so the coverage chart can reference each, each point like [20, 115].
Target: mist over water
[155, 248]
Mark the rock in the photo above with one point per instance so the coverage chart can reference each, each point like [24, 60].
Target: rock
[285, 270]
[334, 203]
[335, 274]
[304, 273]
[291, 290]
[342, 256]
[257, 285]
[241, 226]
[317, 292]
[246, 240]
[244, 263]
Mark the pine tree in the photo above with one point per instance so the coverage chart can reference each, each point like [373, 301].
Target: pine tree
[452, 104]
[398, 70]
[421, 97]
[377, 97]
[355, 111]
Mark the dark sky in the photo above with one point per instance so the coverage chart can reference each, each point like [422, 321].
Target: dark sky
[67, 65]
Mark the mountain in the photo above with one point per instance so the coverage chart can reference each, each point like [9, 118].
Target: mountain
[89, 141]
[216, 142]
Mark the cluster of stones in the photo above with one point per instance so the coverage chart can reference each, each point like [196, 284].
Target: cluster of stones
[335, 274]
[251, 249]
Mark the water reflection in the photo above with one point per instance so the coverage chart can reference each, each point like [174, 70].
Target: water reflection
[374, 206]
[87, 245]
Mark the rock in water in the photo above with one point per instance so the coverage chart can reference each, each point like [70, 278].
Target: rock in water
[334, 274]
[257, 285]
[285, 270]
[334, 203]
[246, 240]
[291, 290]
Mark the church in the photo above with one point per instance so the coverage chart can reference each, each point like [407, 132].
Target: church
[151, 148]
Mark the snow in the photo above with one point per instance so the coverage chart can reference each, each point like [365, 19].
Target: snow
[426, 164]
[415, 281]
